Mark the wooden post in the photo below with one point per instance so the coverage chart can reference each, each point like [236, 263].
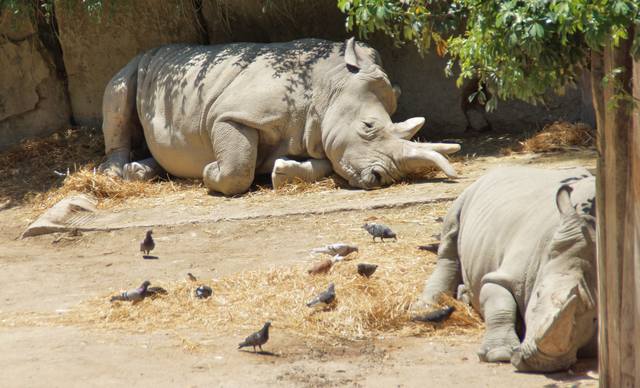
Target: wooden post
[618, 211]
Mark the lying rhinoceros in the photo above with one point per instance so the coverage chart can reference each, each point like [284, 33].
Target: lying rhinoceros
[522, 243]
[228, 112]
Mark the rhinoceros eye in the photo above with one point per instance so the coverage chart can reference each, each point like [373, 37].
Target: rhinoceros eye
[368, 124]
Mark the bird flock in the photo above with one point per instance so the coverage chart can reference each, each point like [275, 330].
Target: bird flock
[327, 298]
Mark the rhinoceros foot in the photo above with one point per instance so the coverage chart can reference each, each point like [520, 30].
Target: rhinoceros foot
[499, 350]
[114, 164]
[142, 170]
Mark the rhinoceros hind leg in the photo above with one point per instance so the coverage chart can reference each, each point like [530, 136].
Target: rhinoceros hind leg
[120, 123]
[286, 171]
[142, 170]
[499, 310]
[236, 150]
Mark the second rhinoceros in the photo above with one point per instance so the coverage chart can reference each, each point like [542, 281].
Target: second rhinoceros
[520, 242]
[225, 113]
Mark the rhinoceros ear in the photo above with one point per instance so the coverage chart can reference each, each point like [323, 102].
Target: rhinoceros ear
[350, 54]
[563, 200]
[406, 129]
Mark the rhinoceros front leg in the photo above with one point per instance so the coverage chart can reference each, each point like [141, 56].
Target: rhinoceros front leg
[499, 310]
[235, 147]
[142, 170]
[448, 273]
[285, 171]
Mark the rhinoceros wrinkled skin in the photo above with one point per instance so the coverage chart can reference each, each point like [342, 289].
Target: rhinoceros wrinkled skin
[522, 243]
[298, 109]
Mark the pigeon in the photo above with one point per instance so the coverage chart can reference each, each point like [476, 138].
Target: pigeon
[203, 292]
[436, 316]
[258, 338]
[155, 291]
[433, 247]
[321, 267]
[191, 277]
[379, 230]
[367, 269]
[325, 297]
[147, 244]
[134, 295]
[337, 249]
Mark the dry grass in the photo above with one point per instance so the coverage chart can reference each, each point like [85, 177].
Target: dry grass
[243, 301]
[556, 137]
[28, 168]
[110, 191]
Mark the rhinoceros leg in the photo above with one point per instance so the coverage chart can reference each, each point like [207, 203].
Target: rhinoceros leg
[142, 170]
[236, 148]
[448, 273]
[499, 310]
[119, 118]
[285, 171]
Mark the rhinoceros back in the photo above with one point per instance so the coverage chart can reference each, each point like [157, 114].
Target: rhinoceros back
[183, 89]
[506, 222]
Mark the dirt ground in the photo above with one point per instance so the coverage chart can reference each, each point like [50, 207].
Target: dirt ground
[50, 274]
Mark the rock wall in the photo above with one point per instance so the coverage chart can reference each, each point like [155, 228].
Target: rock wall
[33, 99]
[95, 47]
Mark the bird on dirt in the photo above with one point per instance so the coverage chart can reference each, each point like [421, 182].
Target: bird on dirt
[203, 292]
[133, 295]
[147, 244]
[379, 230]
[337, 249]
[436, 316]
[191, 277]
[325, 297]
[258, 338]
[155, 291]
[433, 247]
[322, 266]
[367, 269]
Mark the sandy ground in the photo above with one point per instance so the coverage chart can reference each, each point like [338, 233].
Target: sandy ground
[45, 274]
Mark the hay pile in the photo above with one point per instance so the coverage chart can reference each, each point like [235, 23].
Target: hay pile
[556, 137]
[111, 191]
[244, 301]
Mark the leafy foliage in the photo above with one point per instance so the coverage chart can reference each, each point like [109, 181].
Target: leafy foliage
[517, 48]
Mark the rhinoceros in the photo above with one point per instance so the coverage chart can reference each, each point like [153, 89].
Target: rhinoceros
[299, 109]
[520, 243]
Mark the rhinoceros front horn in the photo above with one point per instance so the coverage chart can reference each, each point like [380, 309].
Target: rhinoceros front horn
[556, 338]
[417, 156]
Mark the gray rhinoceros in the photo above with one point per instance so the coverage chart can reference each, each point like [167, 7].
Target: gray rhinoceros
[228, 112]
[522, 243]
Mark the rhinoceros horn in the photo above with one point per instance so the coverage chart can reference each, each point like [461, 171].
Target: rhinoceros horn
[408, 128]
[417, 156]
[556, 338]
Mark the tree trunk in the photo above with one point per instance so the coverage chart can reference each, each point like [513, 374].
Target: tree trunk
[618, 212]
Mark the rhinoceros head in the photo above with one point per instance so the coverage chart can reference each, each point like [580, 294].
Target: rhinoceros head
[561, 313]
[363, 144]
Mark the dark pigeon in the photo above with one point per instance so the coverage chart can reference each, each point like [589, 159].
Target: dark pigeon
[155, 291]
[258, 338]
[379, 230]
[436, 316]
[325, 297]
[367, 269]
[203, 292]
[147, 244]
[433, 247]
[133, 295]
